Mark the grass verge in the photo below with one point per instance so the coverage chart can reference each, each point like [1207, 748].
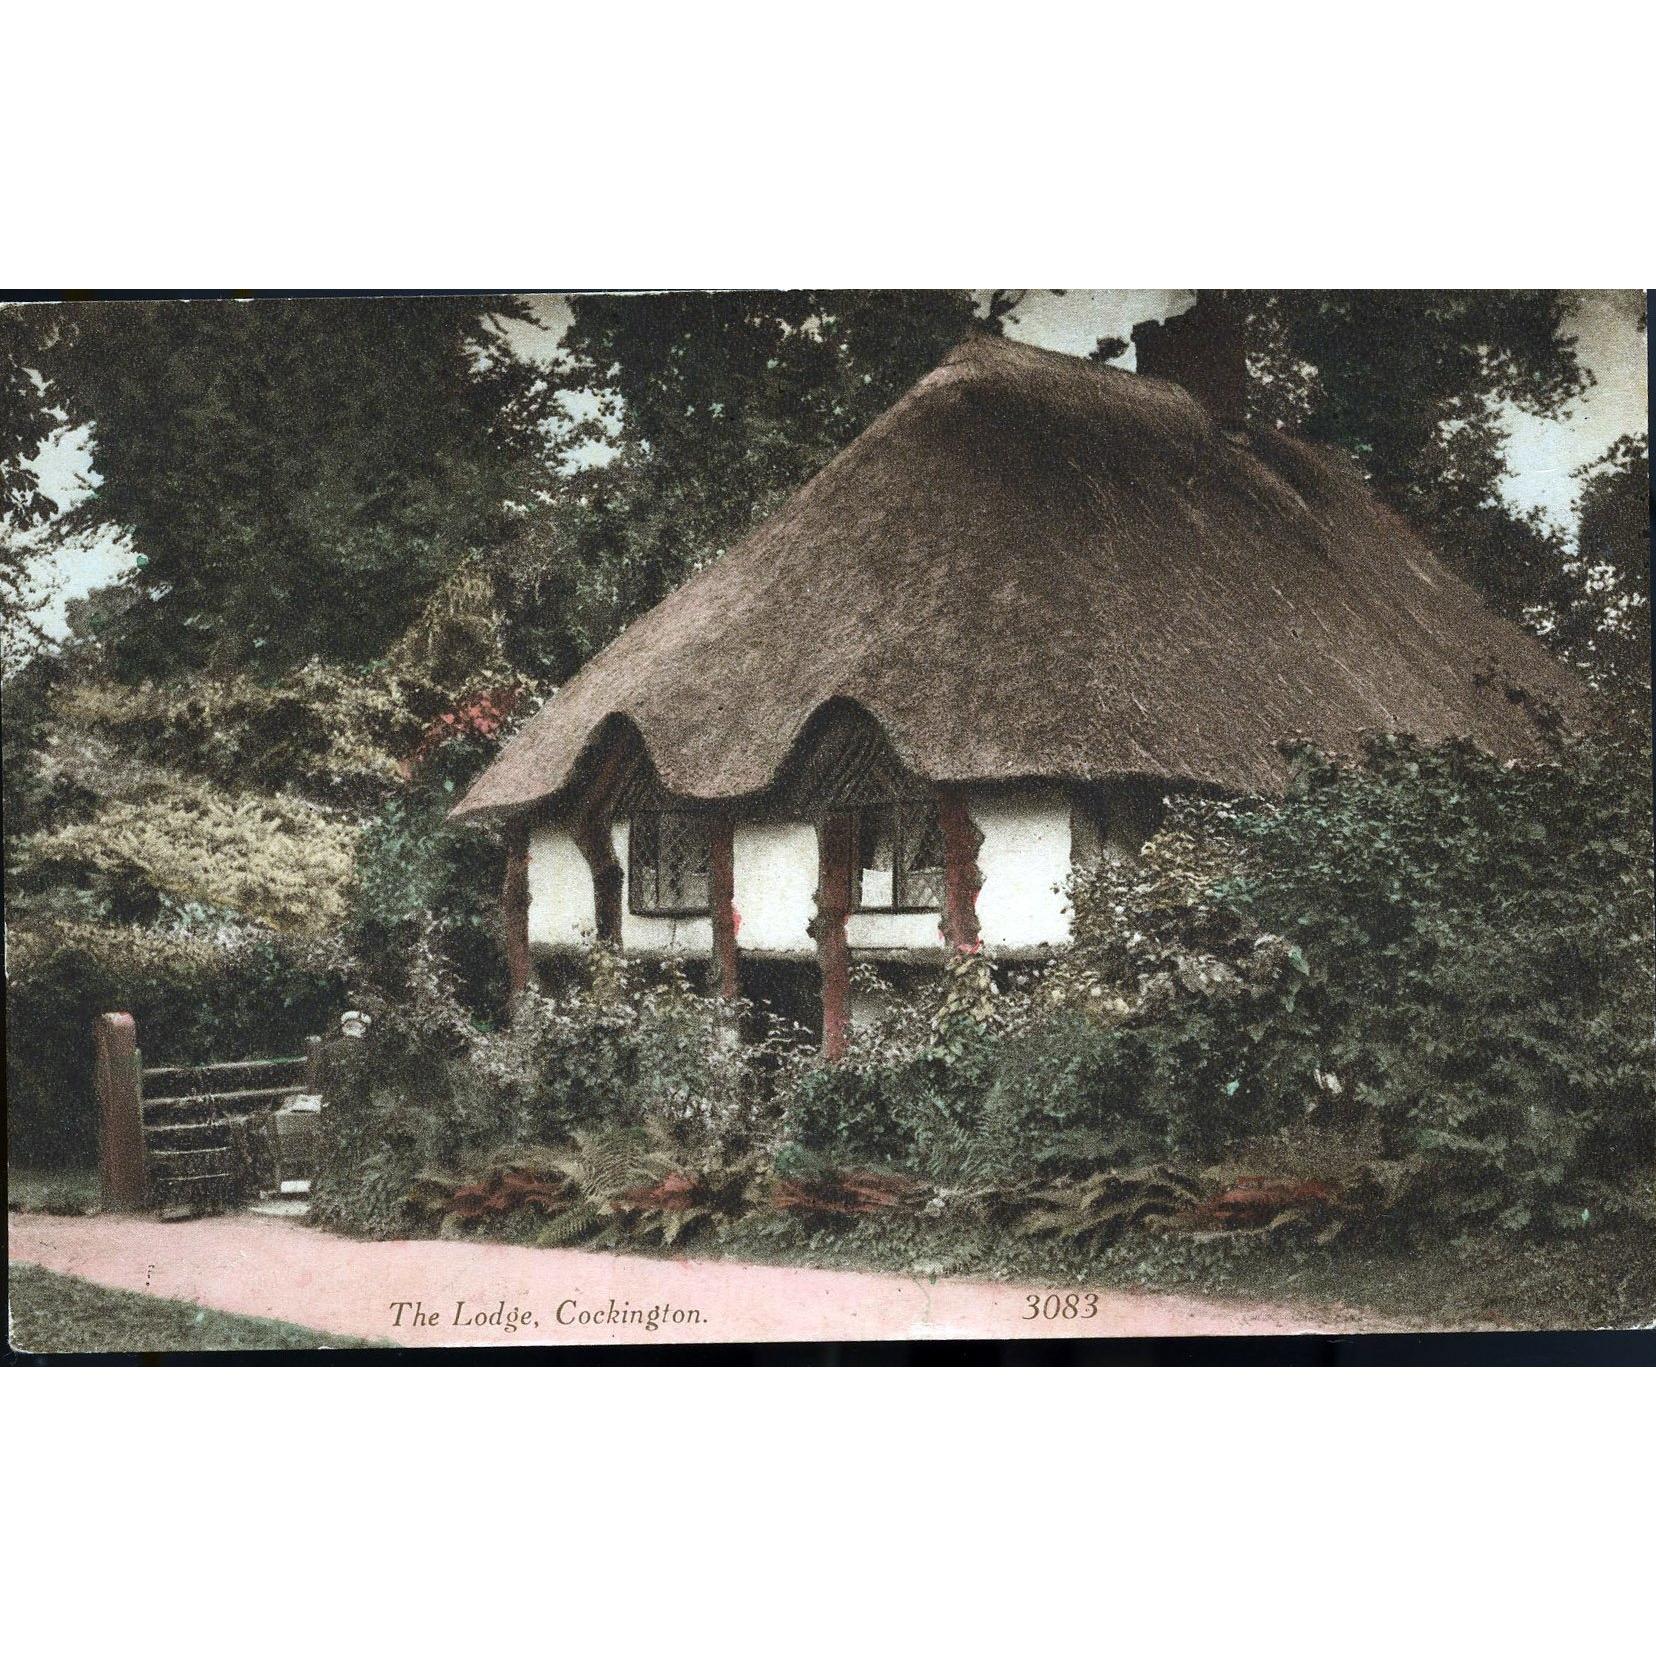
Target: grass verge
[1491, 1281]
[61, 1190]
[55, 1314]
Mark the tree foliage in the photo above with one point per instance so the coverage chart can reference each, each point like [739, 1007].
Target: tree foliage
[1412, 385]
[1601, 595]
[714, 406]
[27, 423]
[296, 476]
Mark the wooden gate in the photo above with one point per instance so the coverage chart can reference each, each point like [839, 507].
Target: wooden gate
[193, 1137]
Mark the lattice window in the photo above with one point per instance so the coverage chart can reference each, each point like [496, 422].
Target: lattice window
[667, 863]
[899, 857]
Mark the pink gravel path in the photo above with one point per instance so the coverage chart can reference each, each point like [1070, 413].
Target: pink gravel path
[269, 1267]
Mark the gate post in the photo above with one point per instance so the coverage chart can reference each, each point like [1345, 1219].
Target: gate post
[121, 1174]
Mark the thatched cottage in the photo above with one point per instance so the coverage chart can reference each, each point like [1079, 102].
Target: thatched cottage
[982, 644]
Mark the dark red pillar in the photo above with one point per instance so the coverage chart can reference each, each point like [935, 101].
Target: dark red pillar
[514, 908]
[961, 876]
[121, 1171]
[835, 852]
[592, 835]
[721, 871]
[591, 830]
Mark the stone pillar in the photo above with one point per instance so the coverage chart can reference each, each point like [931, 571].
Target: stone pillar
[117, 1075]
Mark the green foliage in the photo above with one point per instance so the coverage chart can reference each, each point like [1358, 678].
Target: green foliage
[1411, 384]
[279, 860]
[196, 852]
[1481, 969]
[26, 423]
[712, 407]
[296, 475]
[1601, 595]
[621, 1062]
[423, 881]
[241, 993]
[319, 729]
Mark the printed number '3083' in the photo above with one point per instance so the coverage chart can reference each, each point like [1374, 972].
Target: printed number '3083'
[1061, 1307]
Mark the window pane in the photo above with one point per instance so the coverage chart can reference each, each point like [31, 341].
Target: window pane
[921, 860]
[876, 855]
[644, 863]
[684, 862]
[669, 861]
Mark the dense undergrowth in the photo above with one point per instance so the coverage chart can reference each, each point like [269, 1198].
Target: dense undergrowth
[231, 859]
[1405, 1011]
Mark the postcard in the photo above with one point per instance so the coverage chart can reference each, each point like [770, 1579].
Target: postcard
[700, 818]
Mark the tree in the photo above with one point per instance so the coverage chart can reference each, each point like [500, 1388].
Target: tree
[296, 476]
[1411, 384]
[716, 405]
[1601, 595]
[27, 422]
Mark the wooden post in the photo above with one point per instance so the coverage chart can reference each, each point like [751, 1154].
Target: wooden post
[514, 906]
[721, 896]
[835, 852]
[118, 1077]
[590, 828]
[962, 878]
[313, 1063]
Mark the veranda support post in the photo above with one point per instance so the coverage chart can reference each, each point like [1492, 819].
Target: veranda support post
[514, 907]
[118, 1079]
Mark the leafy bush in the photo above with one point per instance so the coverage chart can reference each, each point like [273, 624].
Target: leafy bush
[635, 1056]
[1440, 958]
[279, 861]
[1481, 987]
[320, 729]
[422, 882]
[243, 993]
[907, 1094]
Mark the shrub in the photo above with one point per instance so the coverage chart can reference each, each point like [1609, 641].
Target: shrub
[420, 882]
[1481, 987]
[242, 993]
[280, 861]
[620, 1051]
[1441, 958]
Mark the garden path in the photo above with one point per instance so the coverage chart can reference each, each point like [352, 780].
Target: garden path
[268, 1267]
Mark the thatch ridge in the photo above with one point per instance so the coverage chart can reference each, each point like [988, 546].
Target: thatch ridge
[1032, 566]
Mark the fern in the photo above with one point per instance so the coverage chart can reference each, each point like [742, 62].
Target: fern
[581, 1223]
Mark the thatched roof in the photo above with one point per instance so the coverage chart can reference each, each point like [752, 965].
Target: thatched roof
[1034, 567]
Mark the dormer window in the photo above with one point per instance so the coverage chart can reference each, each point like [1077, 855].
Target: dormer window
[899, 858]
[667, 863]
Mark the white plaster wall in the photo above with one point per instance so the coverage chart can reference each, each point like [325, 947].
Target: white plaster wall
[1025, 863]
[775, 887]
[561, 908]
[656, 934]
[1024, 859]
[894, 931]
